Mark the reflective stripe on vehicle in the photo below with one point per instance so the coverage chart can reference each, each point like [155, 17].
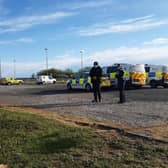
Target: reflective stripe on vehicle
[159, 74]
[81, 81]
[73, 81]
[112, 75]
[89, 80]
[138, 78]
[165, 75]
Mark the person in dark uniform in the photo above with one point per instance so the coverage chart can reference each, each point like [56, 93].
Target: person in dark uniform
[96, 74]
[121, 83]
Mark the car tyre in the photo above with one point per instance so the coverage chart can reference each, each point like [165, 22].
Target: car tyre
[69, 87]
[153, 84]
[88, 88]
[166, 86]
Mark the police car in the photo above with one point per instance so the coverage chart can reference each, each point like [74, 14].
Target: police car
[83, 81]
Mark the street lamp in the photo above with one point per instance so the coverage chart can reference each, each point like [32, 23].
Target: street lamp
[81, 52]
[14, 68]
[46, 53]
[0, 70]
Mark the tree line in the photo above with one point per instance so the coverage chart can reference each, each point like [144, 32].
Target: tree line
[61, 74]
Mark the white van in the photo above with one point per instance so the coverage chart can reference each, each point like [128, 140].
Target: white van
[45, 79]
[138, 75]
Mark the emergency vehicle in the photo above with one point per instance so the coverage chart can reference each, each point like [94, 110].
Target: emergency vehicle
[83, 81]
[157, 75]
[134, 75]
[138, 75]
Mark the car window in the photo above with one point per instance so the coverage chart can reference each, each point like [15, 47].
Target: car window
[112, 69]
[104, 70]
[85, 75]
[165, 69]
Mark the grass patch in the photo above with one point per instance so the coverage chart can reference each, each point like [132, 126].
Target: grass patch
[28, 140]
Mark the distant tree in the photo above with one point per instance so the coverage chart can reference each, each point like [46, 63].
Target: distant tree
[69, 73]
[56, 73]
[85, 69]
[33, 76]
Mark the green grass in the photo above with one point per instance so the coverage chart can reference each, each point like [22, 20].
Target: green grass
[31, 141]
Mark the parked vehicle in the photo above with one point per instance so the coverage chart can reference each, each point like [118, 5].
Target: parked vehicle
[83, 81]
[157, 75]
[11, 81]
[110, 73]
[135, 75]
[45, 79]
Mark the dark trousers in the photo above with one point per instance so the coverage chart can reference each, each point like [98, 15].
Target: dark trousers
[122, 95]
[121, 88]
[96, 91]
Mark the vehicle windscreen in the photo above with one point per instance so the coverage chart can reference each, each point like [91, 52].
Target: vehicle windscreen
[112, 69]
[165, 68]
[85, 75]
[137, 69]
[147, 69]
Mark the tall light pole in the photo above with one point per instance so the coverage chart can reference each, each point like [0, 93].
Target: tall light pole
[14, 68]
[46, 54]
[0, 70]
[81, 52]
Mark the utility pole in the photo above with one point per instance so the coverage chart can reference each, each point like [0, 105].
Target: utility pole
[46, 54]
[14, 68]
[81, 52]
[0, 70]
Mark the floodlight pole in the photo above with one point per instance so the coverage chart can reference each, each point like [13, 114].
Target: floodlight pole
[0, 70]
[46, 54]
[81, 52]
[14, 68]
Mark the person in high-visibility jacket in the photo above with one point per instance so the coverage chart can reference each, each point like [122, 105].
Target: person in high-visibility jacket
[96, 74]
[121, 84]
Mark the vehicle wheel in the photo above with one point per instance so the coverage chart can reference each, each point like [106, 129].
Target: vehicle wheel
[69, 87]
[153, 84]
[54, 82]
[165, 86]
[138, 87]
[9, 83]
[88, 88]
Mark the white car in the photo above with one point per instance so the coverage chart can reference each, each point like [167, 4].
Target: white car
[45, 79]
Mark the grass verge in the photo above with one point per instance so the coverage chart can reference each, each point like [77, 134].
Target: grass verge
[28, 140]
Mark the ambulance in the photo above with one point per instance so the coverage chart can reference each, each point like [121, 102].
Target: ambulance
[83, 81]
[157, 75]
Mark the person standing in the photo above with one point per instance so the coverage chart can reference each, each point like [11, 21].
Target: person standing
[96, 74]
[121, 83]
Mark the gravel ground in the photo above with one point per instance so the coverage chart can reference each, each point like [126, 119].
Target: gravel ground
[144, 107]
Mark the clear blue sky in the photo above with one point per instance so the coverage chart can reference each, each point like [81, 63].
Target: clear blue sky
[108, 31]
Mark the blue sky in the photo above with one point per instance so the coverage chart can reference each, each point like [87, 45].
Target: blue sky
[107, 31]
